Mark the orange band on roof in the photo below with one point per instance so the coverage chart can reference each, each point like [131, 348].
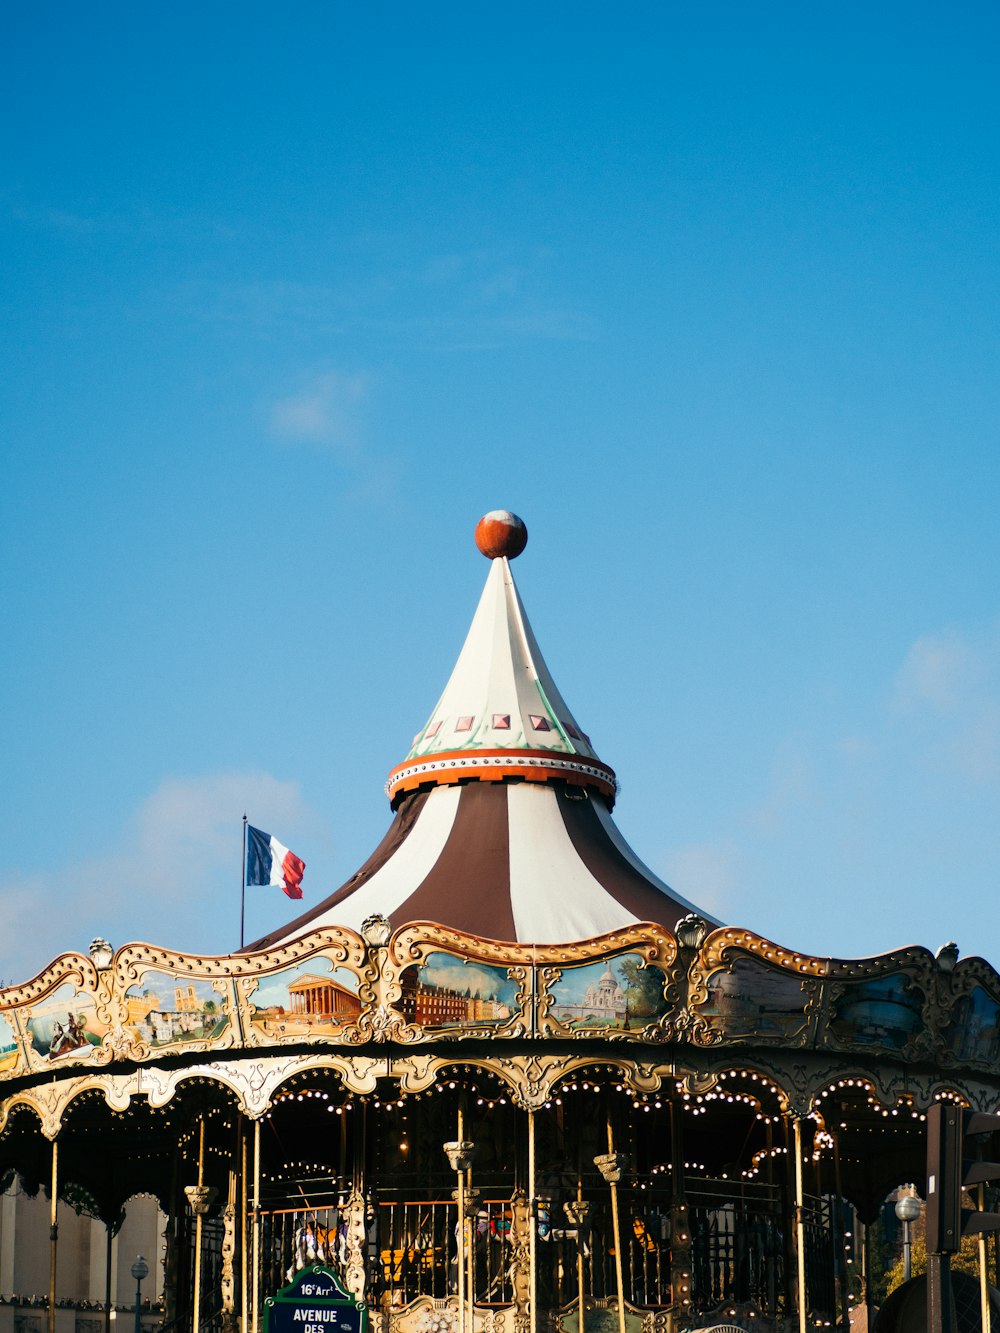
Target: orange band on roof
[452, 766]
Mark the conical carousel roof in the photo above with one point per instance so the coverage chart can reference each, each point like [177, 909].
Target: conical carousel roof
[503, 824]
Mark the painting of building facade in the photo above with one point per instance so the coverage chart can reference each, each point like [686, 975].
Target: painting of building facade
[447, 991]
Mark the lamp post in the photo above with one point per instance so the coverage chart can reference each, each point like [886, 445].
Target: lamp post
[908, 1209]
[139, 1270]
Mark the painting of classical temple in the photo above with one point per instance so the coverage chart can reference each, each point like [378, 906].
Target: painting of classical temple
[311, 997]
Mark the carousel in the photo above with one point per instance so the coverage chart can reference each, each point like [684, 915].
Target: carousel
[503, 1080]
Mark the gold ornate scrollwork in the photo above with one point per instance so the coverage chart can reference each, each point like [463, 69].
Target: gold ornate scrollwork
[228, 1276]
[696, 1083]
[695, 1028]
[520, 1250]
[383, 1024]
[546, 977]
[357, 1231]
[72, 967]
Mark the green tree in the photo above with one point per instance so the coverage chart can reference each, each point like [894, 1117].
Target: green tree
[643, 989]
[965, 1261]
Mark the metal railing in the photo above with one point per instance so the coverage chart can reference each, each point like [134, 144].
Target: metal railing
[412, 1250]
[294, 1238]
[737, 1244]
[818, 1218]
[738, 1249]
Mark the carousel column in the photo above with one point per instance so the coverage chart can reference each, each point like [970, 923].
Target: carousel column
[800, 1225]
[229, 1258]
[471, 1214]
[201, 1197]
[108, 1238]
[578, 1213]
[520, 1264]
[469, 1210]
[611, 1164]
[244, 1214]
[460, 1234]
[53, 1235]
[532, 1227]
[687, 976]
[680, 1229]
[788, 1207]
[461, 1153]
[194, 1201]
[255, 1279]
[356, 1215]
[840, 1240]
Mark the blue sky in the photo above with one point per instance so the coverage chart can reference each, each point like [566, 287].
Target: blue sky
[707, 294]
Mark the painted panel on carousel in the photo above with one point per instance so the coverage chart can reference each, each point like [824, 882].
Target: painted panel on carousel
[886, 1011]
[164, 1009]
[973, 1032]
[754, 1001]
[9, 1049]
[65, 1025]
[623, 993]
[445, 991]
[313, 998]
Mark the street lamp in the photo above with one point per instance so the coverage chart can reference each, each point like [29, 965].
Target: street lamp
[140, 1269]
[908, 1209]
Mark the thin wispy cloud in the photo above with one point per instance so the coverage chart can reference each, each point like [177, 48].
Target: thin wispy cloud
[793, 783]
[160, 883]
[834, 796]
[270, 310]
[707, 873]
[938, 672]
[134, 221]
[324, 411]
[948, 689]
[449, 302]
[61, 220]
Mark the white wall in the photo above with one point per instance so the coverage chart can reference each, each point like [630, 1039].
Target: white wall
[82, 1250]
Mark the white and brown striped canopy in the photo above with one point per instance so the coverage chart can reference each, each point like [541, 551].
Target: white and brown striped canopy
[502, 823]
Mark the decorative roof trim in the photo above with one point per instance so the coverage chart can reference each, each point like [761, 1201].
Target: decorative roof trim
[453, 766]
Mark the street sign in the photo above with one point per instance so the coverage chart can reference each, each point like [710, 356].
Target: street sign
[315, 1301]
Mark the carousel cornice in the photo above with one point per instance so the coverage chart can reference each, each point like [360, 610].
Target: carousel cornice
[452, 766]
[150, 1019]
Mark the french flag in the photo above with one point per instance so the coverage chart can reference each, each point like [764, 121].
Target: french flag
[268, 862]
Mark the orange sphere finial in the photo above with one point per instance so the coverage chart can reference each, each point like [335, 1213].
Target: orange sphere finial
[501, 533]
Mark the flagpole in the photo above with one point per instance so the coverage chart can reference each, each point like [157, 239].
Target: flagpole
[243, 880]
